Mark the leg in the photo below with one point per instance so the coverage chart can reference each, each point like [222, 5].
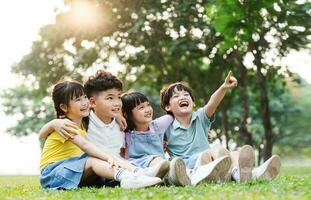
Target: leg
[218, 151]
[242, 163]
[158, 167]
[127, 179]
[155, 161]
[125, 164]
[98, 167]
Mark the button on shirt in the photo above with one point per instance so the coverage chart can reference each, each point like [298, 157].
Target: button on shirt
[185, 142]
[107, 137]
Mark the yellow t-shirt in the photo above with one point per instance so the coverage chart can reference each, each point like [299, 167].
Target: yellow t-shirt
[57, 148]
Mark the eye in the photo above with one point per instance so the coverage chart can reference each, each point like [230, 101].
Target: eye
[109, 98]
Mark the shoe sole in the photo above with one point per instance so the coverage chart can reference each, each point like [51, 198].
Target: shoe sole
[273, 168]
[163, 169]
[219, 172]
[246, 162]
[181, 178]
[154, 183]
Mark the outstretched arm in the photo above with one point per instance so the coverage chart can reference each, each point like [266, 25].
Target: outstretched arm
[64, 127]
[217, 97]
[93, 150]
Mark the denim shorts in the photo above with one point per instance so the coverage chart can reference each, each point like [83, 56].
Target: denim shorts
[65, 174]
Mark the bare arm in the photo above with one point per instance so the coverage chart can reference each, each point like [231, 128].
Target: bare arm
[217, 97]
[64, 127]
[93, 150]
[122, 122]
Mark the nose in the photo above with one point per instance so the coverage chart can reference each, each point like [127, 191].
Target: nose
[85, 101]
[117, 103]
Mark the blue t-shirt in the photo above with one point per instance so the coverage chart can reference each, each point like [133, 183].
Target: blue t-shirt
[185, 142]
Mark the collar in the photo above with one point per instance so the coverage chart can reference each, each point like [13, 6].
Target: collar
[177, 125]
[99, 123]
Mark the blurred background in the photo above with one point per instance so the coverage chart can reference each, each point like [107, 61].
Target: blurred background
[147, 44]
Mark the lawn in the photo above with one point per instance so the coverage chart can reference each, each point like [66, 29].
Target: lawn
[293, 183]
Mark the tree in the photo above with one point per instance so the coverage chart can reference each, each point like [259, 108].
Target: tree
[256, 33]
[160, 42]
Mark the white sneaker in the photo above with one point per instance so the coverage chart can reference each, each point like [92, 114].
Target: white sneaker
[246, 161]
[212, 172]
[203, 159]
[130, 180]
[269, 169]
[177, 173]
[159, 170]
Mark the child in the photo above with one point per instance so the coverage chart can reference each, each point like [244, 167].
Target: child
[144, 139]
[187, 135]
[104, 92]
[62, 164]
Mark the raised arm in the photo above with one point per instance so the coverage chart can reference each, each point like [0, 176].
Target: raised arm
[93, 150]
[217, 96]
[64, 127]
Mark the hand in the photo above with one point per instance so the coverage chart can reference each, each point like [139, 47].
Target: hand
[211, 135]
[122, 122]
[230, 81]
[66, 128]
[112, 162]
[165, 146]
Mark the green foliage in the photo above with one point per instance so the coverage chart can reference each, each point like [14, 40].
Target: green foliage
[160, 42]
[292, 184]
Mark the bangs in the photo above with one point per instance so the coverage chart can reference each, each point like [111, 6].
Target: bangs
[131, 100]
[134, 99]
[76, 91]
[179, 87]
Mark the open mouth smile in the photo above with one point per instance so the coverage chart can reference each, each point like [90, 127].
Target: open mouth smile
[183, 104]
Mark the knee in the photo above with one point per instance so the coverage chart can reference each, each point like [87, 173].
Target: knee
[219, 151]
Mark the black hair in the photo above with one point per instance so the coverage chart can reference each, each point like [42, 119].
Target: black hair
[167, 92]
[65, 91]
[130, 101]
[102, 81]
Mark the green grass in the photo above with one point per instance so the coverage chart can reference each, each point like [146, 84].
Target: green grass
[292, 183]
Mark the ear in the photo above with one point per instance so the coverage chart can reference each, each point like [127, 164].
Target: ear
[92, 102]
[167, 108]
[63, 107]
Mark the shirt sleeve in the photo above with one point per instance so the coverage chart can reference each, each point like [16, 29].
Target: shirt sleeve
[56, 136]
[204, 119]
[164, 122]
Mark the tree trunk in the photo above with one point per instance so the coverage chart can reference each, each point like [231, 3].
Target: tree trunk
[225, 125]
[244, 135]
[243, 132]
[264, 105]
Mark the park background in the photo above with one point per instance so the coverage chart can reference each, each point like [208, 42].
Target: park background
[147, 44]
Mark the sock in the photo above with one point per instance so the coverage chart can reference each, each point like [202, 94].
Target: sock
[118, 174]
[235, 174]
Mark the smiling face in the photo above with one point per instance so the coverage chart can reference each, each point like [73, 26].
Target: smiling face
[78, 107]
[142, 114]
[180, 104]
[107, 104]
